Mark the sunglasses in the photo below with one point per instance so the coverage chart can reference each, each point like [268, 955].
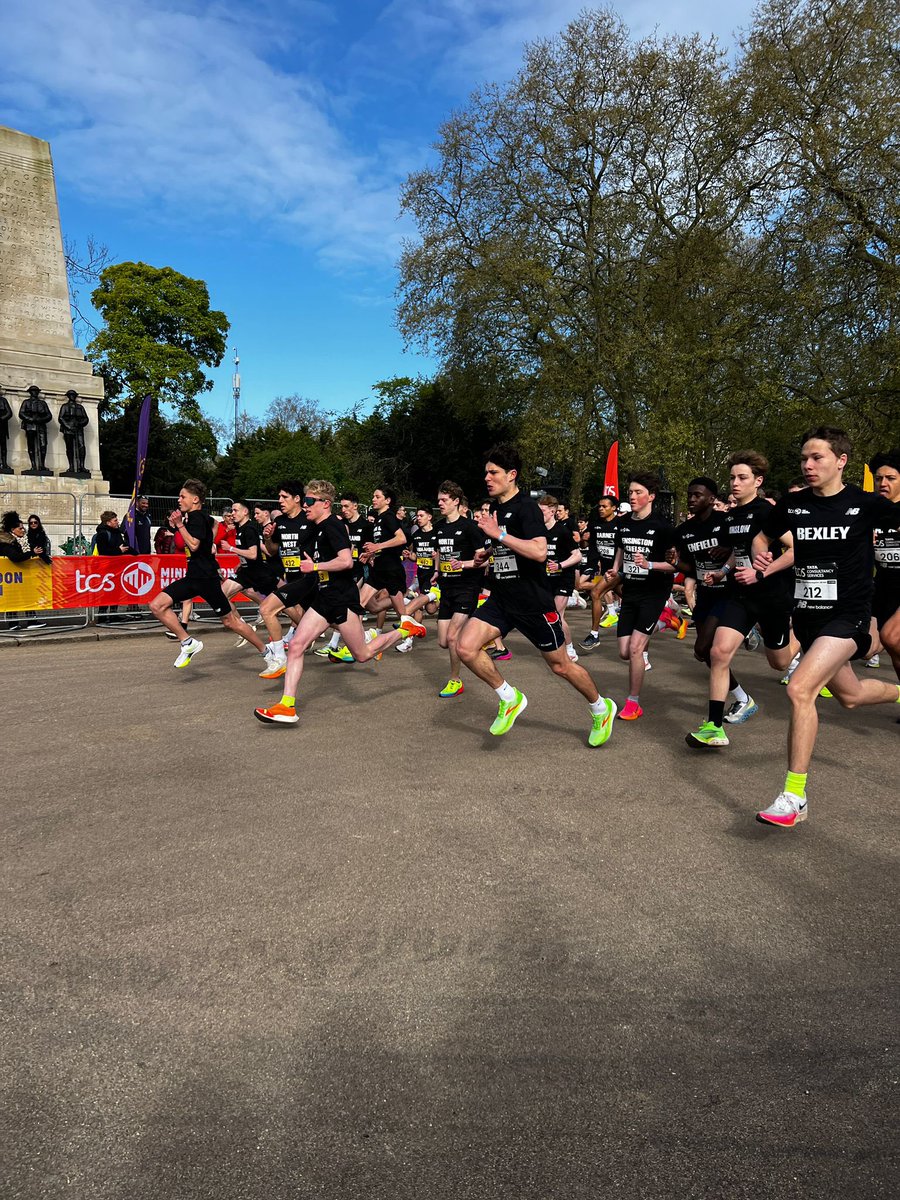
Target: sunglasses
[312, 500]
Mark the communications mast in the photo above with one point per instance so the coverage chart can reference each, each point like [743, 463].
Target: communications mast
[236, 389]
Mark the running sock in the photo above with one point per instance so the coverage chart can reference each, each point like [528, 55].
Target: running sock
[646, 656]
[288, 701]
[739, 694]
[717, 712]
[595, 633]
[635, 699]
[795, 783]
[335, 641]
[599, 706]
[505, 692]
[278, 646]
[187, 640]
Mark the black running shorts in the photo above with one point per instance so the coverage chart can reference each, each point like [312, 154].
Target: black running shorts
[457, 599]
[262, 582]
[773, 616]
[543, 629]
[639, 614]
[335, 608]
[209, 590]
[388, 576]
[299, 591]
[853, 626]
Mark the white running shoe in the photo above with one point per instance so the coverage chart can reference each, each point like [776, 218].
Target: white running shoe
[405, 646]
[873, 662]
[289, 636]
[188, 649]
[739, 713]
[648, 665]
[572, 653]
[785, 810]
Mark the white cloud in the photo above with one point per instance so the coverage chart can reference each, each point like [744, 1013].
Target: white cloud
[206, 114]
[179, 110]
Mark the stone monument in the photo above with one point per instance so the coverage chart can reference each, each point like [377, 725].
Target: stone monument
[38, 356]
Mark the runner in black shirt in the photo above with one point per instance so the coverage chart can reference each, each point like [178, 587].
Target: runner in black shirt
[643, 543]
[290, 539]
[201, 579]
[601, 550]
[832, 524]
[562, 557]
[385, 584]
[458, 540]
[886, 601]
[423, 552]
[749, 600]
[336, 601]
[359, 530]
[520, 599]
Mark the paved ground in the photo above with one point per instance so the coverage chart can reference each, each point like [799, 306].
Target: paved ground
[382, 954]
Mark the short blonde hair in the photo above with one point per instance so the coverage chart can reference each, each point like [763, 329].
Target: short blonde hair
[323, 489]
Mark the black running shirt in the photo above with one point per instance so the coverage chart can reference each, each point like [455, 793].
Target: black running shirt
[560, 545]
[653, 537]
[358, 533]
[253, 569]
[385, 526]
[601, 541]
[834, 553]
[458, 540]
[294, 538]
[330, 537]
[519, 583]
[202, 562]
[742, 524]
[696, 541]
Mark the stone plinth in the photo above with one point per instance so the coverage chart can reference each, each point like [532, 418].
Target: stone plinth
[36, 341]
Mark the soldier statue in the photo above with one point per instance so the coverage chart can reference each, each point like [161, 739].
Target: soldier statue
[72, 422]
[35, 416]
[5, 418]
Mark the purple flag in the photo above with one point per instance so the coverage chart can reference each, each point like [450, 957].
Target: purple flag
[142, 440]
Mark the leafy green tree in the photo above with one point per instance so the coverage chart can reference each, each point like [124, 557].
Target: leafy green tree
[159, 333]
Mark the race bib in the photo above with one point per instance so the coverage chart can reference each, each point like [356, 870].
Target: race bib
[633, 571]
[424, 561]
[447, 569]
[816, 585]
[292, 562]
[742, 562]
[505, 564]
[887, 556]
[354, 550]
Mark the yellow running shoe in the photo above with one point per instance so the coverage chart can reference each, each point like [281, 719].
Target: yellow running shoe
[453, 687]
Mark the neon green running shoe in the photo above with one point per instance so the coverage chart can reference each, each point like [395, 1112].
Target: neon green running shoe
[826, 695]
[611, 619]
[707, 737]
[453, 687]
[507, 713]
[342, 654]
[602, 725]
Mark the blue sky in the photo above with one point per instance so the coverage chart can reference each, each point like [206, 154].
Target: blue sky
[261, 147]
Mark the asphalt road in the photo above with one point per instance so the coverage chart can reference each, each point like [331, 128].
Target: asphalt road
[382, 954]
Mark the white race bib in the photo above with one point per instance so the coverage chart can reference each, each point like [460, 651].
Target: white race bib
[633, 571]
[816, 585]
[742, 562]
[888, 556]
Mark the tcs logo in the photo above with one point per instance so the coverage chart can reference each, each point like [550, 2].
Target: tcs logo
[138, 579]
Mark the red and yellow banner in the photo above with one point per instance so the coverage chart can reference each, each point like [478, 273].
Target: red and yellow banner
[25, 587]
[88, 582]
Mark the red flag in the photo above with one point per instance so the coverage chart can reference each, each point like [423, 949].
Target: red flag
[611, 480]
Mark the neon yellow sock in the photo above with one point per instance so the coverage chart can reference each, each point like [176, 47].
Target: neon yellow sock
[795, 783]
[288, 702]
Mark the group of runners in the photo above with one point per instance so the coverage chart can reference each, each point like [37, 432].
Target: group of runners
[816, 573]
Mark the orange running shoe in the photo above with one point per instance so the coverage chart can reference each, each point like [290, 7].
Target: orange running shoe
[631, 711]
[412, 628]
[278, 714]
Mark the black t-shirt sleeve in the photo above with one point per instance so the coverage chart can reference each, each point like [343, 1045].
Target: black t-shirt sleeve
[565, 543]
[885, 514]
[775, 523]
[390, 526]
[334, 541]
[532, 521]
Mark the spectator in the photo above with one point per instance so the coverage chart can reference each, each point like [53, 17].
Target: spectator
[142, 525]
[38, 540]
[110, 544]
[11, 538]
[226, 532]
[164, 541]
